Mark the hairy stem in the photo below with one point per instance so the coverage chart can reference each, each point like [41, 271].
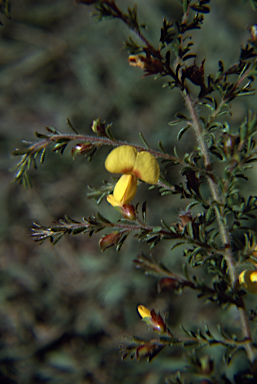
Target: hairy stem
[213, 188]
[224, 231]
[38, 146]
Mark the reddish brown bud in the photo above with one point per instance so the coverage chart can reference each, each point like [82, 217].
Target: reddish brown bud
[185, 217]
[128, 211]
[98, 127]
[148, 350]
[195, 74]
[229, 143]
[110, 240]
[167, 282]
[157, 322]
[81, 149]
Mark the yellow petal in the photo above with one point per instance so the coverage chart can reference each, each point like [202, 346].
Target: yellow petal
[125, 189]
[146, 168]
[121, 159]
[112, 201]
[143, 311]
[248, 280]
[253, 277]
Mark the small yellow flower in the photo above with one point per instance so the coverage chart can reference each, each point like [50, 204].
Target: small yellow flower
[134, 165]
[248, 280]
[148, 63]
[144, 312]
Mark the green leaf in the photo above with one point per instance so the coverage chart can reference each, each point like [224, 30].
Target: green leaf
[102, 219]
[182, 131]
[71, 126]
[121, 241]
[42, 156]
[208, 332]
[41, 135]
[161, 147]
[143, 140]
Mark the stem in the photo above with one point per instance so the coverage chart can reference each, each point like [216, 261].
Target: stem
[213, 188]
[38, 146]
[247, 334]
[149, 47]
[224, 231]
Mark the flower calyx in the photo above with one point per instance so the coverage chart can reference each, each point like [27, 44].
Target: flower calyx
[81, 149]
[112, 239]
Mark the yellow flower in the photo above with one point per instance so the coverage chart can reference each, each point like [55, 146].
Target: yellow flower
[134, 165]
[144, 312]
[248, 280]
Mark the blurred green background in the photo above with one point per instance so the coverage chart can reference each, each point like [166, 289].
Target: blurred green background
[65, 309]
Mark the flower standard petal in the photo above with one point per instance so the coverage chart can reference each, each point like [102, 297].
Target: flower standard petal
[121, 159]
[146, 168]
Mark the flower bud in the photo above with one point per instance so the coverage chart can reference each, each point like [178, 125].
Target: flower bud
[98, 127]
[148, 351]
[110, 240]
[185, 217]
[154, 320]
[81, 149]
[157, 322]
[167, 282]
[229, 143]
[128, 211]
[195, 74]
